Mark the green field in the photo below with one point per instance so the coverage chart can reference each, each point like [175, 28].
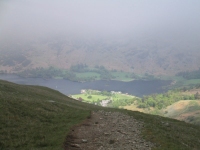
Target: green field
[92, 97]
[121, 76]
[39, 118]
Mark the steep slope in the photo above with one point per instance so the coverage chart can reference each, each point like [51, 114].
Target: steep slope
[185, 110]
[36, 117]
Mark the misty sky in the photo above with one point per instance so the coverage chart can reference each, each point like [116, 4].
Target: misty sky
[30, 18]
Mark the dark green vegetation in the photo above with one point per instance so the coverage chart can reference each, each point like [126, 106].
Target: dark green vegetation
[82, 73]
[186, 79]
[190, 75]
[34, 117]
[160, 101]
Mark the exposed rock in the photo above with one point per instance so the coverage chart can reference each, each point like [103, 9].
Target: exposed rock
[115, 131]
[75, 145]
[84, 140]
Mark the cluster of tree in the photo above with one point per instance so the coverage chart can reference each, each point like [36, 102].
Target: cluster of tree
[101, 70]
[70, 76]
[41, 73]
[106, 93]
[190, 75]
[197, 95]
[148, 76]
[89, 97]
[52, 72]
[104, 73]
[163, 100]
[79, 68]
[121, 102]
[145, 77]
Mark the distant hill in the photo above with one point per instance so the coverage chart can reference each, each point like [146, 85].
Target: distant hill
[142, 55]
[182, 105]
[186, 110]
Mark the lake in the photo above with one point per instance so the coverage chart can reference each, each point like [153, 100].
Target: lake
[136, 87]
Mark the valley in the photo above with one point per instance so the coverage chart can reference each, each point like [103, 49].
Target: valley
[179, 104]
[41, 118]
[99, 75]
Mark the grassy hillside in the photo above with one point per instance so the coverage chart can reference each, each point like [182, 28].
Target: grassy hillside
[186, 110]
[182, 104]
[34, 117]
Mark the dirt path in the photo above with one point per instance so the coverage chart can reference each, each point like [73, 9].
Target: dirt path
[107, 131]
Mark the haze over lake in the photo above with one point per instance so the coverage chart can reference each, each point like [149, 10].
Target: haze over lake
[137, 87]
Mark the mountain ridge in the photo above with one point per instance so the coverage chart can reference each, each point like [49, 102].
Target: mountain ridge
[134, 55]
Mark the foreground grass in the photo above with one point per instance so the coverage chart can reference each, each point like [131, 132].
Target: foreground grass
[169, 134]
[40, 118]
[36, 117]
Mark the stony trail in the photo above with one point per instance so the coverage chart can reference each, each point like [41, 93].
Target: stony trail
[108, 131]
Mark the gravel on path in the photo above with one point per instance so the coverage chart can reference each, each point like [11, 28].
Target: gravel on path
[108, 131]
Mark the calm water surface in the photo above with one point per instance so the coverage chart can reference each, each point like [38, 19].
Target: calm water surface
[137, 87]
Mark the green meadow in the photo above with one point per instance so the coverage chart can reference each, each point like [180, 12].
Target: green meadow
[92, 96]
